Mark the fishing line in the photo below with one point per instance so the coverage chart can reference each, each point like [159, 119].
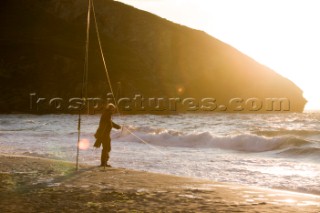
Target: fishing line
[109, 81]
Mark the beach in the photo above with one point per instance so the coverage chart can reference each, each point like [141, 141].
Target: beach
[33, 184]
[191, 115]
[272, 151]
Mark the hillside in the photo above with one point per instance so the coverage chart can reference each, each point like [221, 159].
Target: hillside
[42, 51]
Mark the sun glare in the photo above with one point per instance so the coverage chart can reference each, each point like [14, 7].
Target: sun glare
[303, 171]
[283, 35]
[84, 144]
[180, 90]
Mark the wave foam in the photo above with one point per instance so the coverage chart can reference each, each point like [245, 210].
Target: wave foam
[312, 152]
[246, 142]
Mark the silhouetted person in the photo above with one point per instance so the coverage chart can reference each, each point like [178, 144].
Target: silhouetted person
[103, 133]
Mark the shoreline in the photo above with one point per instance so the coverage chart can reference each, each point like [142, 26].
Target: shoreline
[33, 184]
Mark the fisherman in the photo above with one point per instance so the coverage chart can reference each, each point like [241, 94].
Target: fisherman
[103, 134]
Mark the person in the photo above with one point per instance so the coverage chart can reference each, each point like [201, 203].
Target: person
[102, 134]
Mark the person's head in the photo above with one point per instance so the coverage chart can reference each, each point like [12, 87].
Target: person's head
[111, 108]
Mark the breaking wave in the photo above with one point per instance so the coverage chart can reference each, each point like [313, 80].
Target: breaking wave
[245, 142]
[284, 132]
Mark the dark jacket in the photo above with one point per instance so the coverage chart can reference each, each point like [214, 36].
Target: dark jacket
[104, 129]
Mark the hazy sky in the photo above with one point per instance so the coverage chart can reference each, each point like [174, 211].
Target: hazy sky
[281, 34]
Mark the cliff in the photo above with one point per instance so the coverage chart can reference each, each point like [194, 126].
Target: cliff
[42, 51]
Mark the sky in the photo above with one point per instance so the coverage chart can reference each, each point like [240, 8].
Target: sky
[281, 34]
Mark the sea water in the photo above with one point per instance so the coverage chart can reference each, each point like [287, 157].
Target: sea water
[270, 150]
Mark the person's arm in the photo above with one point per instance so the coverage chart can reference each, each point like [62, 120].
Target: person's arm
[116, 126]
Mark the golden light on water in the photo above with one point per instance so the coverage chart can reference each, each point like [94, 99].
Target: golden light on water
[303, 171]
[84, 144]
[289, 201]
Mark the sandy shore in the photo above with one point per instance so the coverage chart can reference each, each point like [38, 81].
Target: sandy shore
[31, 184]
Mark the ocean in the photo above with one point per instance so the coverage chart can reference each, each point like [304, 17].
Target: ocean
[279, 151]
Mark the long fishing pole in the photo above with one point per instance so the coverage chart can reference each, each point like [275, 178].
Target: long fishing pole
[84, 90]
[109, 81]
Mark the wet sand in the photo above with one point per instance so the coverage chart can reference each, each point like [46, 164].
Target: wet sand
[30, 184]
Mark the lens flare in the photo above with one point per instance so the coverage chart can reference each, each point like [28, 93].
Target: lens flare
[180, 89]
[84, 144]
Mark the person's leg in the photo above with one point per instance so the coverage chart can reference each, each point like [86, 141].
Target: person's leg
[104, 157]
[106, 148]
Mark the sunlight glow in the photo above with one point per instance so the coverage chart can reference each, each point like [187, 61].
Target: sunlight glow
[84, 144]
[285, 171]
[289, 201]
[180, 90]
[283, 35]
